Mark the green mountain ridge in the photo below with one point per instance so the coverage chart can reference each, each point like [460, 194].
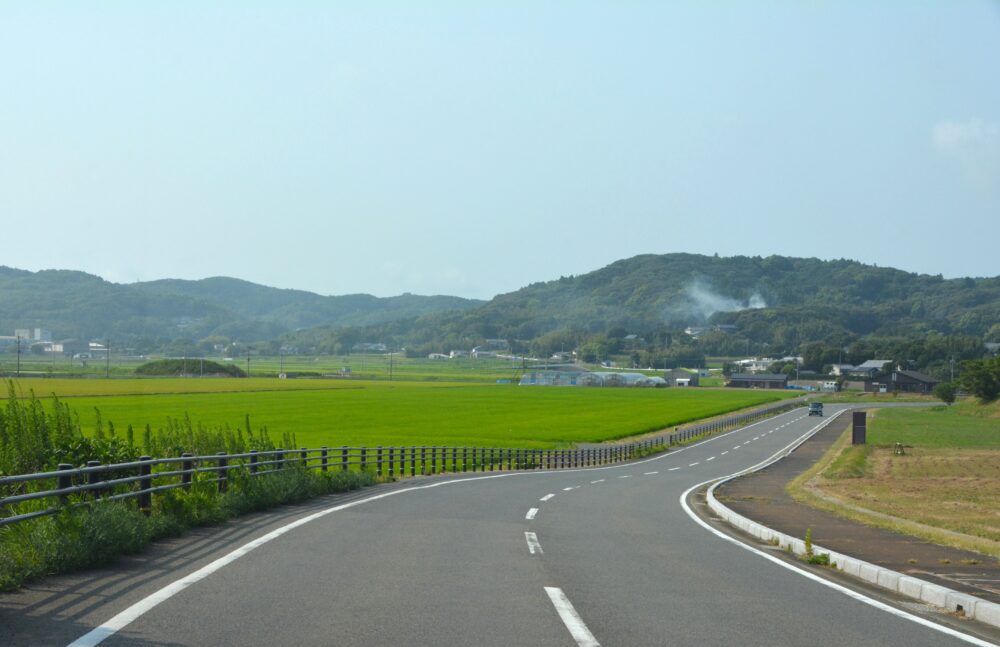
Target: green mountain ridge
[79, 305]
[781, 302]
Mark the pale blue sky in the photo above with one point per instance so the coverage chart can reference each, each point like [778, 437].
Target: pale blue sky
[473, 148]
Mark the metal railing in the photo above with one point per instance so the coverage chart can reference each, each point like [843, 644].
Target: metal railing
[141, 479]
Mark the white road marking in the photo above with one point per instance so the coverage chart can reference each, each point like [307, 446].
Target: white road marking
[693, 464]
[673, 469]
[710, 458]
[531, 514]
[571, 618]
[572, 487]
[747, 442]
[649, 473]
[756, 437]
[546, 497]
[625, 476]
[724, 453]
[533, 545]
[737, 447]
[597, 481]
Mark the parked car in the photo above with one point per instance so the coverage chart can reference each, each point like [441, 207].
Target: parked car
[815, 408]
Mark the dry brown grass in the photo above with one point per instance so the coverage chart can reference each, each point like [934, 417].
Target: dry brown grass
[947, 496]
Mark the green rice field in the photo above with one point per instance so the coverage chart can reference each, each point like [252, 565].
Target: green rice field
[372, 413]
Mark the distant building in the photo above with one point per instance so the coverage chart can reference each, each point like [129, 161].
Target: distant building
[679, 377]
[458, 353]
[869, 369]
[438, 356]
[840, 369]
[758, 381]
[481, 352]
[902, 382]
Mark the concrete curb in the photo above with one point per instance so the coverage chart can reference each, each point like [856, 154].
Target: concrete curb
[936, 595]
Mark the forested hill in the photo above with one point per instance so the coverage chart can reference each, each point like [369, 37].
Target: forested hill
[779, 300]
[78, 305]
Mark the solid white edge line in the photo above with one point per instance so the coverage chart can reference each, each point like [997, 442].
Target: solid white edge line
[572, 620]
[124, 618]
[812, 576]
[533, 544]
[531, 514]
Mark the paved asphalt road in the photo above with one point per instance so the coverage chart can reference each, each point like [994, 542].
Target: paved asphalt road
[593, 556]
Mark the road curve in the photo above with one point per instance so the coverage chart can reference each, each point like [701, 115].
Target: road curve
[602, 556]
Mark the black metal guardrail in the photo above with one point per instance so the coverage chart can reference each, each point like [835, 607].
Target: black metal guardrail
[139, 480]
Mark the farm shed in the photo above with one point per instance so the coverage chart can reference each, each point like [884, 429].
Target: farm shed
[902, 382]
[758, 381]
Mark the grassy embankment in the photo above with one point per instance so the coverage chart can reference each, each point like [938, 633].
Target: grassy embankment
[945, 488]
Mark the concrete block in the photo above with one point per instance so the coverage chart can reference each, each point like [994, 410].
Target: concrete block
[910, 586]
[934, 594]
[988, 612]
[851, 566]
[954, 599]
[888, 579]
[869, 572]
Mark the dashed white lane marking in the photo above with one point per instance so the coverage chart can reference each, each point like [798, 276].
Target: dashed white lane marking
[649, 473]
[572, 487]
[724, 453]
[546, 497]
[737, 447]
[625, 476]
[571, 618]
[533, 545]
[710, 458]
[693, 464]
[597, 481]
[756, 437]
[531, 514]
[747, 442]
[673, 469]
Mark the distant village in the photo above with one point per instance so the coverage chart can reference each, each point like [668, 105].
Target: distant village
[563, 368]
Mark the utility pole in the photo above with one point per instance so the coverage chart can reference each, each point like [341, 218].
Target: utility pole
[19, 356]
[107, 362]
[248, 361]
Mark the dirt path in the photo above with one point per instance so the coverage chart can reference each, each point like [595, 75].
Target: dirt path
[762, 497]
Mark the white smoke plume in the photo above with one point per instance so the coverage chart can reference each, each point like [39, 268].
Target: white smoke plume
[700, 302]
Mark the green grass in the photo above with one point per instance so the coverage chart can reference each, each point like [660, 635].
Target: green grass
[963, 425]
[414, 413]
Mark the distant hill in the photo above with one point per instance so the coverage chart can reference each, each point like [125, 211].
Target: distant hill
[778, 300]
[78, 305]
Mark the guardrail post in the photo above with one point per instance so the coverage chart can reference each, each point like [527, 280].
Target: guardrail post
[392, 459]
[454, 459]
[413, 460]
[378, 461]
[279, 456]
[187, 465]
[323, 453]
[465, 459]
[433, 459]
[93, 478]
[364, 458]
[423, 460]
[145, 484]
[64, 481]
[343, 458]
[304, 455]
[223, 463]
[254, 457]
